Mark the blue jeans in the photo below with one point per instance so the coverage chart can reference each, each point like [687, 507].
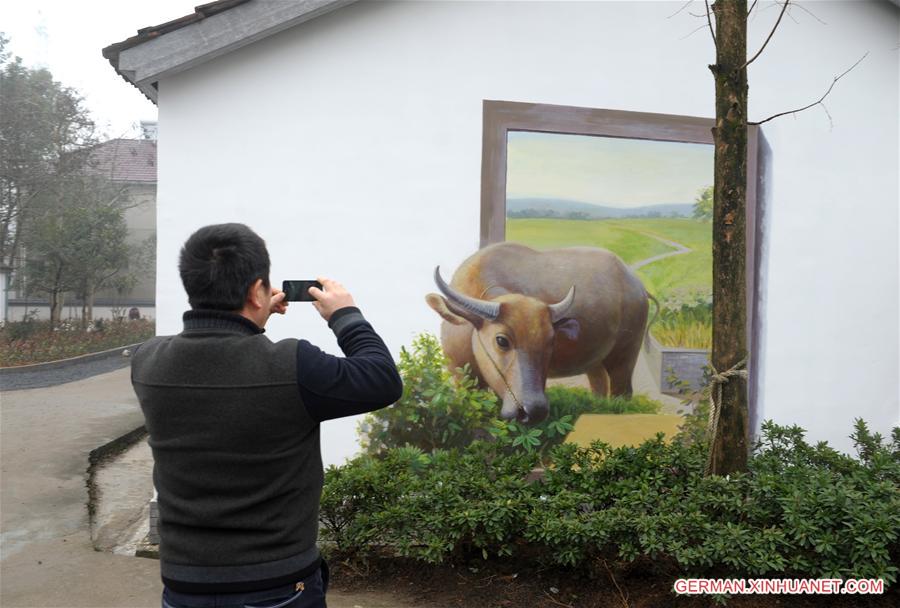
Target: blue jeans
[308, 593]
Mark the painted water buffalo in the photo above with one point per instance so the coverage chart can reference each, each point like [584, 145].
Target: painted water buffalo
[518, 316]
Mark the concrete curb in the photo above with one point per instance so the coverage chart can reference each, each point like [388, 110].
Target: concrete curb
[99, 455]
[9, 372]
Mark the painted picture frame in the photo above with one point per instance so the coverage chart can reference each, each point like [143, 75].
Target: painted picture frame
[504, 121]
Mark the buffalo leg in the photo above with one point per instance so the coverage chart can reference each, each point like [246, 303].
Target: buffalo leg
[599, 380]
[620, 365]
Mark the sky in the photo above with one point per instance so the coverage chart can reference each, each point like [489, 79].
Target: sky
[67, 36]
[605, 170]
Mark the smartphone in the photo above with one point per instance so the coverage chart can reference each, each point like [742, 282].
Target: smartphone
[298, 291]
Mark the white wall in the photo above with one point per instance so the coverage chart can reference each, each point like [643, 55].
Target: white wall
[353, 145]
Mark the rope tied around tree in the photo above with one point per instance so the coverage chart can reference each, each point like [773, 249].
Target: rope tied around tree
[715, 401]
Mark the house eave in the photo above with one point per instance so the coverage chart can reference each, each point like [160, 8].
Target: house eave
[213, 30]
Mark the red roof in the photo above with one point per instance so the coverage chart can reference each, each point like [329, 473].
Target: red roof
[126, 160]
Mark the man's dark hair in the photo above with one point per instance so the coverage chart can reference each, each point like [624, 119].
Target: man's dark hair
[219, 263]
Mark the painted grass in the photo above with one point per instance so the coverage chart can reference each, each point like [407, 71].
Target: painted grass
[543, 233]
[680, 274]
[667, 279]
[684, 335]
[686, 273]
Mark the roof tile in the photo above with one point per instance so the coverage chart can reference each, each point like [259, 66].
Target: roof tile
[126, 160]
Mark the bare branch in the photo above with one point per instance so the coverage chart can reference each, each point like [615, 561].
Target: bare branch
[819, 100]
[684, 6]
[709, 22]
[806, 10]
[619, 589]
[828, 114]
[751, 7]
[780, 15]
[794, 19]
[789, 13]
[557, 602]
[702, 27]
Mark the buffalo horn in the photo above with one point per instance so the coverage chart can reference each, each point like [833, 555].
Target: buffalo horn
[482, 308]
[559, 310]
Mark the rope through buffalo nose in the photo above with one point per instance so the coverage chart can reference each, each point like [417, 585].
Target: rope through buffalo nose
[502, 376]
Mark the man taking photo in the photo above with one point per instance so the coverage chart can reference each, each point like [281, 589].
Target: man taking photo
[233, 420]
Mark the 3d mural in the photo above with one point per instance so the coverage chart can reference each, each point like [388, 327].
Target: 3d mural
[605, 269]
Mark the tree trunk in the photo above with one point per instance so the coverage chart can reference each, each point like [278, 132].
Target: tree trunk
[56, 299]
[730, 444]
[56, 306]
[87, 305]
[90, 305]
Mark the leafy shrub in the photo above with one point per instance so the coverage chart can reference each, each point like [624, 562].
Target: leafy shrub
[22, 330]
[428, 506]
[440, 410]
[800, 511]
[685, 322]
[437, 409]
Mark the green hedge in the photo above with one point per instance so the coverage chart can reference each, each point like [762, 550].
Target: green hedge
[801, 510]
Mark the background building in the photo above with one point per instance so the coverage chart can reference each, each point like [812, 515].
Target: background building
[131, 163]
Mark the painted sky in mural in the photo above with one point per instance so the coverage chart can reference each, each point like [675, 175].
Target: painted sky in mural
[605, 170]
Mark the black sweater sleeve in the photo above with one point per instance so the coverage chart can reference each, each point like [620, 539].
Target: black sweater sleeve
[363, 381]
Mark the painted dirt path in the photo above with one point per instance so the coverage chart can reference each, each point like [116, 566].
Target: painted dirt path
[46, 555]
[679, 250]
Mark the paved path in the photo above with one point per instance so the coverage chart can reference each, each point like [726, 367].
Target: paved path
[46, 555]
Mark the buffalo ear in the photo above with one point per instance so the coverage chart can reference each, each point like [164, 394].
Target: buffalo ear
[441, 307]
[570, 328]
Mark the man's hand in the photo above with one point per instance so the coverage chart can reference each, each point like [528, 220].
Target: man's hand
[277, 303]
[330, 300]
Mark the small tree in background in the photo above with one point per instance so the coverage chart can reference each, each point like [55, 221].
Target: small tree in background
[703, 205]
[62, 226]
[77, 243]
[45, 131]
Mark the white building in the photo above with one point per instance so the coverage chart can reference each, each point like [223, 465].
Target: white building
[349, 135]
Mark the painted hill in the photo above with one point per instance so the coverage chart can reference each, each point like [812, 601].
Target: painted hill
[554, 207]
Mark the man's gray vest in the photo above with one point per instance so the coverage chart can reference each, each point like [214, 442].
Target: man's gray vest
[237, 461]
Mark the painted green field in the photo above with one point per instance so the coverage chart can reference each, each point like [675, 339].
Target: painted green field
[674, 280]
[542, 233]
[678, 275]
